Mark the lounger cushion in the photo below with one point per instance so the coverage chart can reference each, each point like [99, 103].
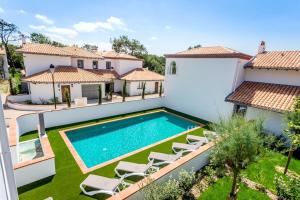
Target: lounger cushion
[185, 146]
[196, 138]
[132, 167]
[163, 156]
[101, 183]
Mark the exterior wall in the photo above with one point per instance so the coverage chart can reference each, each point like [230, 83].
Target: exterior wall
[118, 85]
[35, 63]
[133, 89]
[273, 121]
[5, 66]
[287, 77]
[205, 82]
[29, 122]
[88, 63]
[123, 66]
[102, 86]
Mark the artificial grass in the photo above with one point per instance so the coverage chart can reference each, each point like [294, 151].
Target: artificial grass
[65, 183]
[222, 187]
[263, 171]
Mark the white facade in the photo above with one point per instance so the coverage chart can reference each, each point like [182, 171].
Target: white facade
[35, 63]
[135, 87]
[201, 85]
[88, 63]
[5, 66]
[123, 66]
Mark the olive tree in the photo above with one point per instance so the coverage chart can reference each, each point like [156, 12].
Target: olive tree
[239, 145]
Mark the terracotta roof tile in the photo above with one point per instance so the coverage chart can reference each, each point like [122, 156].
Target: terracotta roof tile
[275, 97]
[66, 74]
[287, 60]
[142, 74]
[115, 55]
[210, 52]
[82, 53]
[44, 49]
[105, 73]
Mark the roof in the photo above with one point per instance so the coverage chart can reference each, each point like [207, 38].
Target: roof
[286, 60]
[210, 52]
[43, 49]
[115, 55]
[66, 74]
[142, 74]
[274, 97]
[2, 51]
[105, 73]
[81, 53]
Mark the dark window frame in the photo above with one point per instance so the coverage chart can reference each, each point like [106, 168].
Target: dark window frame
[79, 65]
[95, 64]
[240, 109]
[108, 65]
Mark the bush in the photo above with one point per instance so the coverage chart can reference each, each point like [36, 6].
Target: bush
[166, 191]
[186, 181]
[287, 188]
[210, 175]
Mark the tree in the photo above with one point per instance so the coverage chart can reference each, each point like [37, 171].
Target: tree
[154, 63]
[160, 89]
[111, 89]
[239, 145]
[124, 90]
[43, 39]
[9, 32]
[195, 46]
[293, 130]
[100, 95]
[68, 98]
[143, 90]
[128, 46]
[90, 47]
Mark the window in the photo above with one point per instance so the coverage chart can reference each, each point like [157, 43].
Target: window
[172, 68]
[140, 85]
[95, 64]
[240, 109]
[80, 63]
[108, 65]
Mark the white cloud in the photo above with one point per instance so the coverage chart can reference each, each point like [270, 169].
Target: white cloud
[111, 24]
[38, 28]
[167, 27]
[2, 10]
[56, 31]
[44, 19]
[22, 11]
[153, 38]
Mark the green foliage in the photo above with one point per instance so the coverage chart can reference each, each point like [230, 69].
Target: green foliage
[211, 174]
[52, 101]
[154, 63]
[143, 90]
[186, 181]
[99, 95]
[90, 47]
[129, 46]
[15, 83]
[287, 188]
[111, 89]
[164, 191]
[195, 46]
[124, 90]
[43, 39]
[68, 98]
[160, 89]
[239, 145]
[16, 58]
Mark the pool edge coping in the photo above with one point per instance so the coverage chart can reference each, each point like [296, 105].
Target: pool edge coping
[84, 169]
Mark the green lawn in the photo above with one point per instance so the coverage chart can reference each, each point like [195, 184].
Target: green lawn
[65, 184]
[262, 171]
[222, 187]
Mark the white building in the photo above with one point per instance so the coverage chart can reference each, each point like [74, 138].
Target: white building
[79, 72]
[3, 64]
[218, 81]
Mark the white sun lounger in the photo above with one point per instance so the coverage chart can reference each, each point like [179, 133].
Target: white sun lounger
[195, 138]
[103, 185]
[210, 134]
[134, 169]
[164, 158]
[177, 147]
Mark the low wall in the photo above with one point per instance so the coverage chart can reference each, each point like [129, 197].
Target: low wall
[193, 161]
[29, 122]
[18, 98]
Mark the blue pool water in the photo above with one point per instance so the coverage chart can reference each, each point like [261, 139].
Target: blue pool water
[99, 143]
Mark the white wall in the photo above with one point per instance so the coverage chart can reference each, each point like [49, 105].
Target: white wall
[35, 63]
[5, 66]
[200, 86]
[287, 77]
[34, 172]
[133, 87]
[88, 63]
[273, 121]
[118, 85]
[26, 123]
[123, 66]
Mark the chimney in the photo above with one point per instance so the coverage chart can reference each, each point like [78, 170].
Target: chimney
[262, 47]
[23, 39]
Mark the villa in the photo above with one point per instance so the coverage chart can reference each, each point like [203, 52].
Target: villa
[81, 73]
[3, 64]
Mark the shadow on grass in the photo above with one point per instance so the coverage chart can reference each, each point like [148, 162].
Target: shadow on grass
[34, 185]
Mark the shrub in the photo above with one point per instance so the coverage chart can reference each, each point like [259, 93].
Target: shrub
[186, 181]
[51, 101]
[287, 188]
[210, 175]
[99, 95]
[166, 191]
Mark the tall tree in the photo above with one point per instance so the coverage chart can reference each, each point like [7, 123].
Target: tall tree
[293, 130]
[195, 46]
[9, 32]
[154, 63]
[129, 46]
[239, 145]
[43, 39]
[90, 47]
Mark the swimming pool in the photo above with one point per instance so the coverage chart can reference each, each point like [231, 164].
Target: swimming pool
[100, 143]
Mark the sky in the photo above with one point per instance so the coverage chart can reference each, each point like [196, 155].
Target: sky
[163, 26]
